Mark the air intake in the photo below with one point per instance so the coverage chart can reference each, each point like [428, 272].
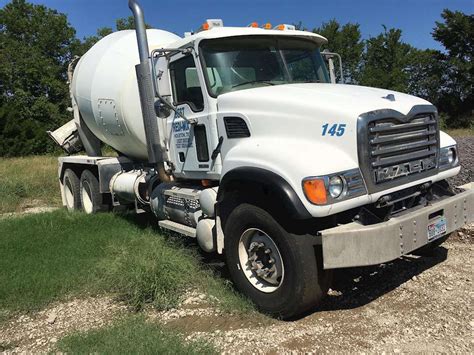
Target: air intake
[236, 127]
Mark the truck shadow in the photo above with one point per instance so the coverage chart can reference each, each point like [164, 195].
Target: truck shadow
[356, 287]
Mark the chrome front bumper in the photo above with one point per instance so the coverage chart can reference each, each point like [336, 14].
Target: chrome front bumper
[354, 244]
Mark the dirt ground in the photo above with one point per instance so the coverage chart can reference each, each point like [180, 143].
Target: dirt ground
[413, 304]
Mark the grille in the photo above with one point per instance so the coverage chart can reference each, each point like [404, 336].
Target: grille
[402, 149]
[236, 127]
[399, 149]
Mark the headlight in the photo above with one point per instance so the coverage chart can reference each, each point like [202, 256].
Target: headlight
[448, 158]
[324, 190]
[335, 186]
[451, 155]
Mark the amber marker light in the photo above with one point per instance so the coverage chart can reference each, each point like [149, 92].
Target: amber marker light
[267, 26]
[205, 26]
[253, 24]
[315, 191]
[206, 183]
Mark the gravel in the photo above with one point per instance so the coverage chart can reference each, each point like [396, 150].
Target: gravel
[466, 153]
[413, 304]
[39, 332]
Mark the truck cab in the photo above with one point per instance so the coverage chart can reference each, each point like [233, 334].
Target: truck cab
[219, 62]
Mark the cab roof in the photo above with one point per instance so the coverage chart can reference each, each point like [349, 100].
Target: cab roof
[223, 32]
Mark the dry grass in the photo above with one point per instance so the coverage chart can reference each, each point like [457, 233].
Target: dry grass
[28, 182]
[460, 132]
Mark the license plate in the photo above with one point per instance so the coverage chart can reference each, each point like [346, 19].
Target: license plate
[436, 228]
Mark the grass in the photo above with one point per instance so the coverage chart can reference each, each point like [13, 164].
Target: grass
[460, 132]
[49, 256]
[132, 335]
[28, 181]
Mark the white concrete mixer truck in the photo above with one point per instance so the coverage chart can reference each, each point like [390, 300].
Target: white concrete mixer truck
[240, 138]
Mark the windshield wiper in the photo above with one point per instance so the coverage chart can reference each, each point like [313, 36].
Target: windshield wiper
[254, 82]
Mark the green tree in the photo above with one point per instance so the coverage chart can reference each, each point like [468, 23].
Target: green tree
[35, 44]
[425, 70]
[345, 40]
[127, 23]
[81, 47]
[456, 34]
[386, 60]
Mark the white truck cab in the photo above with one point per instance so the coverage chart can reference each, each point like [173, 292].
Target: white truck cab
[240, 138]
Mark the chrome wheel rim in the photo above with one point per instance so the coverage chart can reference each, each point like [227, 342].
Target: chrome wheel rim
[260, 260]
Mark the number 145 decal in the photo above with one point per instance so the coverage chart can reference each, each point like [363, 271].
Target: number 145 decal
[337, 129]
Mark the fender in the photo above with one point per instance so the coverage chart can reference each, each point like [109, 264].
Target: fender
[284, 192]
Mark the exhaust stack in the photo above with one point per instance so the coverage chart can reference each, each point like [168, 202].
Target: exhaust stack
[155, 149]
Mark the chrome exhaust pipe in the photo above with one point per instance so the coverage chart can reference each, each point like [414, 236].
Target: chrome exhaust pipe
[155, 150]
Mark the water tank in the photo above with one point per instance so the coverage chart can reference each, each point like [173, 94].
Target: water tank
[106, 91]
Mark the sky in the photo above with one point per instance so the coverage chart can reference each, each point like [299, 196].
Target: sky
[415, 17]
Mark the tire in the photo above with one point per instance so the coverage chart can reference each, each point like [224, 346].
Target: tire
[72, 194]
[91, 198]
[429, 250]
[297, 283]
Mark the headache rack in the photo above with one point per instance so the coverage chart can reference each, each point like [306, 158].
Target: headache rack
[395, 149]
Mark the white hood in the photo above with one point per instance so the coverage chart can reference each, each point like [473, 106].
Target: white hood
[349, 100]
[287, 134]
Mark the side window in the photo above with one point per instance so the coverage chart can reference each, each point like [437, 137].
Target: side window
[185, 83]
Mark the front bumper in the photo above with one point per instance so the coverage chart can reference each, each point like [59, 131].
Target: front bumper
[354, 244]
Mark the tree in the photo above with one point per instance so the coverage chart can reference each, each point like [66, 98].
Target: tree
[345, 40]
[385, 61]
[35, 44]
[456, 34]
[426, 70]
[127, 23]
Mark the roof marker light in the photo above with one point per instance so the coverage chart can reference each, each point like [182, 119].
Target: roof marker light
[285, 27]
[253, 24]
[267, 26]
[211, 23]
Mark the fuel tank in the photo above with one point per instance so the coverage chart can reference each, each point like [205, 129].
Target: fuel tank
[105, 88]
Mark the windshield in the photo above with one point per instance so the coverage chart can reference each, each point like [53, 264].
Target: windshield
[245, 62]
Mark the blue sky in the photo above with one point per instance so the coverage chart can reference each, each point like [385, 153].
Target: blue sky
[415, 17]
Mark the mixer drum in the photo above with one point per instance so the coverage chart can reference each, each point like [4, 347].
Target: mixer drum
[106, 91]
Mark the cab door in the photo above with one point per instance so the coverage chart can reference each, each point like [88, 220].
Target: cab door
[191, 146]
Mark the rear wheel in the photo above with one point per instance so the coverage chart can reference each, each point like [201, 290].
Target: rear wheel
[280, 272]
[71, 187]
[91, 198]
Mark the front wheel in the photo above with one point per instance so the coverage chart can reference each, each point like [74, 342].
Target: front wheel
[280, 272]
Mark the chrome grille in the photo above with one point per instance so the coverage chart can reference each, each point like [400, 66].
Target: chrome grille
[395, 149]
[401, 149]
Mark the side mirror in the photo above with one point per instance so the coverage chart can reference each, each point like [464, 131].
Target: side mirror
[329, 56]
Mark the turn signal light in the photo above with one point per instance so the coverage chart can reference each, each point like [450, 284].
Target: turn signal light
[315, 191]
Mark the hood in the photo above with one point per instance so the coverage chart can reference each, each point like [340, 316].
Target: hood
[298, 124]
[348, 100]
[302, 130]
